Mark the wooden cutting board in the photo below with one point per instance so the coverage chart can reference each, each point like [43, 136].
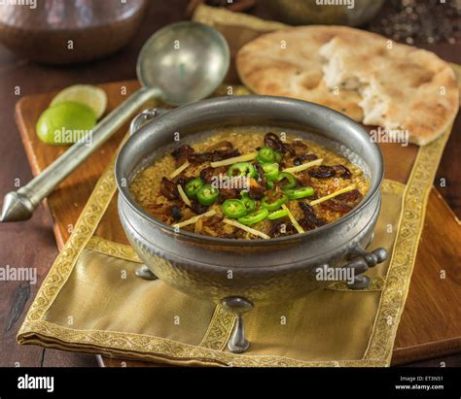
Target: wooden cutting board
[431, 322]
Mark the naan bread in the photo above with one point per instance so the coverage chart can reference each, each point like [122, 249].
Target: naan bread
[358, 73]
[402, 88]
[287, 63]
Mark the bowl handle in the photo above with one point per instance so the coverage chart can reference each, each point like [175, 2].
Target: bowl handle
[361, 261]
[144, 117]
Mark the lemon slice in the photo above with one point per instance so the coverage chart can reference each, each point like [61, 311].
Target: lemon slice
[91, 96]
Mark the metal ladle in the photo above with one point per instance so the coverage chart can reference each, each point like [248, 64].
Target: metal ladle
[179, 64]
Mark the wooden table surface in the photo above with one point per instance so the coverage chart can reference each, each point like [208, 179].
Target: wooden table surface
[32, 244]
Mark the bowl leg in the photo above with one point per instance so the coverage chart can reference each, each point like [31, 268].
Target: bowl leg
[145, 273]
[238, 306]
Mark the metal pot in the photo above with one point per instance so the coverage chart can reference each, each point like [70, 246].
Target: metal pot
[65, 32]
[241, 273]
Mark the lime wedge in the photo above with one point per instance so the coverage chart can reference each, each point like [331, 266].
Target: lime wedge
[88, 95]
[65, 123]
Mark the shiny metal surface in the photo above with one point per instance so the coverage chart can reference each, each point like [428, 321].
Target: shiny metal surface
[186, 61]
[137, 123]
[261, 270]
[180, 63]
[145, 273]
[361, 261]
[145, 116]
[238, 306]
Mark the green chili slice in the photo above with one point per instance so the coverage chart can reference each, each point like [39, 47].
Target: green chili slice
[193, 186]
[242, 169]
[250, 204]
[298, 193]
[207, 194]
[289, 180]
[254, 217]
[268, 155]
[234, 208]
[273, 204]
[271, 171]
[281, 213]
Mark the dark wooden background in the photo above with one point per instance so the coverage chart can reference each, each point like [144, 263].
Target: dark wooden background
[32, 244]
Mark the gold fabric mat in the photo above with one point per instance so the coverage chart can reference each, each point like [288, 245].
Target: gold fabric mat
[91, 301]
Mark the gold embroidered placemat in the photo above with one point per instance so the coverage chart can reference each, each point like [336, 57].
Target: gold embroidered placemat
[92, 301]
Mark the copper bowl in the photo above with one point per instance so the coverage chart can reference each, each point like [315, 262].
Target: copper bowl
[69, 31]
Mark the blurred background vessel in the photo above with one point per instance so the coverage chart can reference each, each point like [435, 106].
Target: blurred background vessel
[330, 12]
[65, 32]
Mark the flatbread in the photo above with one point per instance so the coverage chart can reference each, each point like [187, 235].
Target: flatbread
[358, 73]
[403, 89]
[287, 63]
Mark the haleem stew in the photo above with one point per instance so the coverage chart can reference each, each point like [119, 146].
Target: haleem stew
[246, 183]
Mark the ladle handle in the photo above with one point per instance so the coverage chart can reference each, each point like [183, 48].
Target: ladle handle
[19, 205]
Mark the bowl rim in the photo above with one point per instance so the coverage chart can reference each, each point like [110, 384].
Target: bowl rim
[199, 106]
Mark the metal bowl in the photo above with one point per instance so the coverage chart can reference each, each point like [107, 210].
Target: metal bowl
[240, 273]
[65, 32]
